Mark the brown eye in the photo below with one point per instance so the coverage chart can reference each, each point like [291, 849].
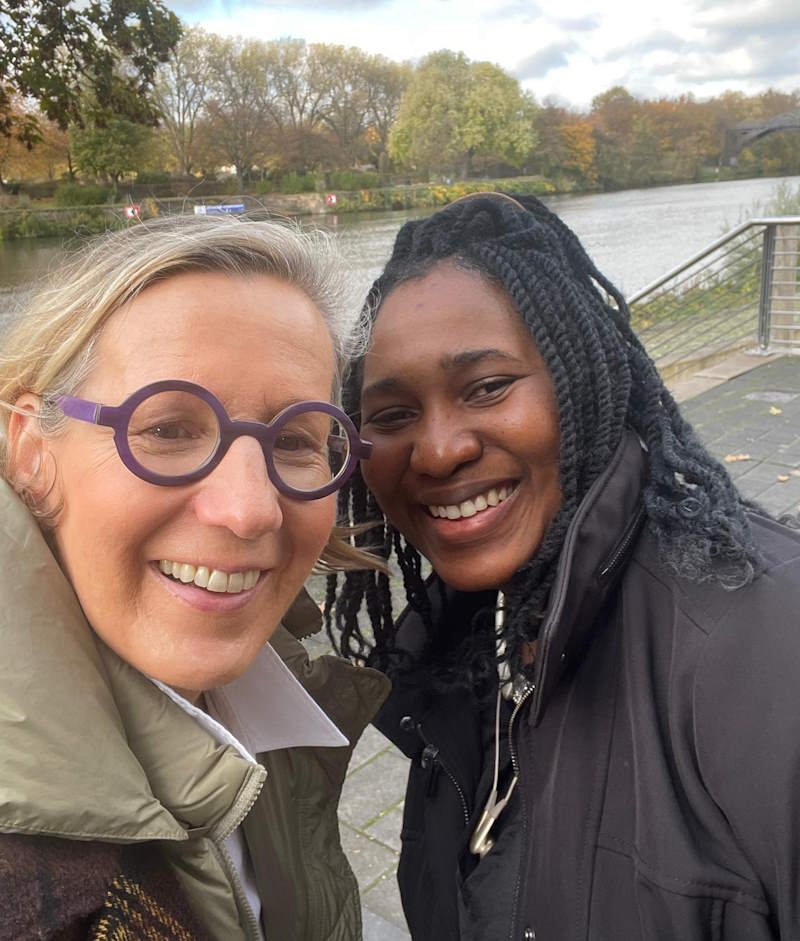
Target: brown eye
[491, 388]
[390, 418]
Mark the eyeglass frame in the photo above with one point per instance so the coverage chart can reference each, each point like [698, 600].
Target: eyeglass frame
[117, 417]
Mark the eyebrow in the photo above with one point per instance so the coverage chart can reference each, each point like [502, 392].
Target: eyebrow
[469, 357]
[447, 362]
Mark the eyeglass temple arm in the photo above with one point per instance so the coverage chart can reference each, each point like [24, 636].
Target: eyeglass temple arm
[361, 448]
[79, 408]
[84, 410]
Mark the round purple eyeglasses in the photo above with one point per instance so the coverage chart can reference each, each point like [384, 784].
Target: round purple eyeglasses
[174, 432]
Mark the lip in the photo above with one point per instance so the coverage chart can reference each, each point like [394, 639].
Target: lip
[471, 528]
[202, 600]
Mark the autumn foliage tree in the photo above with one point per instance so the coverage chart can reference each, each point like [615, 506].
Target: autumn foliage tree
[58, 51]
[455, 110]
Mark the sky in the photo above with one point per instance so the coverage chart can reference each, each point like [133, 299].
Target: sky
[564, 50]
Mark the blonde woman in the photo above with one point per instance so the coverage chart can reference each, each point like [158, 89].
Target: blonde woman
[170, 456]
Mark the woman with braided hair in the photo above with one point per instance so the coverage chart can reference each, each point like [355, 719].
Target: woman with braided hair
[597, 683]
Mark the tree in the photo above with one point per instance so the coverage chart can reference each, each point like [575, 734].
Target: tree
[426, 131]
[497, 118]
[299, 96]
[550, 155]
[58, 51]
[15, 150]
[239, 101]
[340, 75]
[579, 150]
[180, 92]
[110, 151]
[613, 114]
[455, 110]
[386, 83]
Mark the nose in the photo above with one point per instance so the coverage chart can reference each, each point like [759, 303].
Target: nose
[238, 495]
[442, 445]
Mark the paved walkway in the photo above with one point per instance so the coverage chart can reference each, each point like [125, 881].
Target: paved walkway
[754, 414]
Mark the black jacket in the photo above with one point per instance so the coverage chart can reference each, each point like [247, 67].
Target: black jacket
[659, 754]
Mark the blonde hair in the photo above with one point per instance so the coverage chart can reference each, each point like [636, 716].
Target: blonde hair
[50, 349]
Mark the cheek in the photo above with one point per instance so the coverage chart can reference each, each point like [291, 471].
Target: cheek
[382, 474]
[309, 525]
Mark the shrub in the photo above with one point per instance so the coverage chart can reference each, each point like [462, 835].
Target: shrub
[262, 187]
[77, 194]
[298, 183]
[352, 180]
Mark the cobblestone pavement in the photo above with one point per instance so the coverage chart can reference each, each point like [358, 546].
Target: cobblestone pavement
[739, 416]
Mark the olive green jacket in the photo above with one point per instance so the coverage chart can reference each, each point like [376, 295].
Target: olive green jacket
[93, 750]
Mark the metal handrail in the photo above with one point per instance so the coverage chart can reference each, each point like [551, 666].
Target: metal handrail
[709, 249]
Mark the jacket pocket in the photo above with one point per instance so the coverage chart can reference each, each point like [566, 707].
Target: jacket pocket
[631, 904]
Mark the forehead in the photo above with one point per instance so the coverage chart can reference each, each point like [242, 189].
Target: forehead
[219, 330]
[445, 316]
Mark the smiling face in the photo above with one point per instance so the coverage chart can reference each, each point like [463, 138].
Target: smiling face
[462, 414]
[259, 345]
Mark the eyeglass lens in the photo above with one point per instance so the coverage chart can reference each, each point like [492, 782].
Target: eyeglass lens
[174, 433]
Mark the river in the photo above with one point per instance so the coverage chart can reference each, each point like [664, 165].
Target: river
[633, 236]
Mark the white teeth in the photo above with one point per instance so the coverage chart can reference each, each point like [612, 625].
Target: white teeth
[187, 573]
[218, 581]
[235, 582]
[250, 578]
[471, 507]
[201, 576]
[467, 508]
[210, 579]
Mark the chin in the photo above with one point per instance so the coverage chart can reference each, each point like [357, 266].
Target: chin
[205, 666]
[478, 579]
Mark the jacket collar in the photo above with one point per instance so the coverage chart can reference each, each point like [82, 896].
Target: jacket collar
[91, 748]
[596, 546]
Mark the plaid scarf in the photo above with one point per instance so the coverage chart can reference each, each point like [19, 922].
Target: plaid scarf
[67, 890]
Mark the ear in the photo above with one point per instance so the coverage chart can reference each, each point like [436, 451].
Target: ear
[26, 445]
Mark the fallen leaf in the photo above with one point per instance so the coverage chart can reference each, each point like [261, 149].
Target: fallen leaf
[783, 478]
[733, 458]
[774, 410]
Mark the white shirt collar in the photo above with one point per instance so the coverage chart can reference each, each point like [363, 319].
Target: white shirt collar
[264, 709]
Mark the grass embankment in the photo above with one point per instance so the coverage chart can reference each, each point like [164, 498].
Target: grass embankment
[713, 307]
[68, 217]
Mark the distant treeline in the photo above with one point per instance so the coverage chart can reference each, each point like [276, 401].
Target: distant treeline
[288, 116]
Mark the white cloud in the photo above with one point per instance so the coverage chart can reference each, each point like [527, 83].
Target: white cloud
[570, 49]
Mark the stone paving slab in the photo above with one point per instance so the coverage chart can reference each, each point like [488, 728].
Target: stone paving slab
[758, 414]
[733, 417]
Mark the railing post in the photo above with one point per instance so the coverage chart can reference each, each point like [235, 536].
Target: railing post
[765, 298]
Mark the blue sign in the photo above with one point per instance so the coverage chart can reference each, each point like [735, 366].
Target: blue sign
[218, 210]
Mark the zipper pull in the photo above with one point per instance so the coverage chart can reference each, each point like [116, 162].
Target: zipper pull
[481, 842]
[429, 760]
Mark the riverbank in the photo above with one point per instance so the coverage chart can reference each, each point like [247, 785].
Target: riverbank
[31, 221]
[36, 221]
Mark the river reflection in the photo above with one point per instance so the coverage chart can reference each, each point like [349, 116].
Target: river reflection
[633, 236]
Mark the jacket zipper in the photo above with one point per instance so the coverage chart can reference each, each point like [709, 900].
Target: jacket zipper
[223, 830]
[252, 926]
[620, 553]
[515, 765]
[434, 756]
